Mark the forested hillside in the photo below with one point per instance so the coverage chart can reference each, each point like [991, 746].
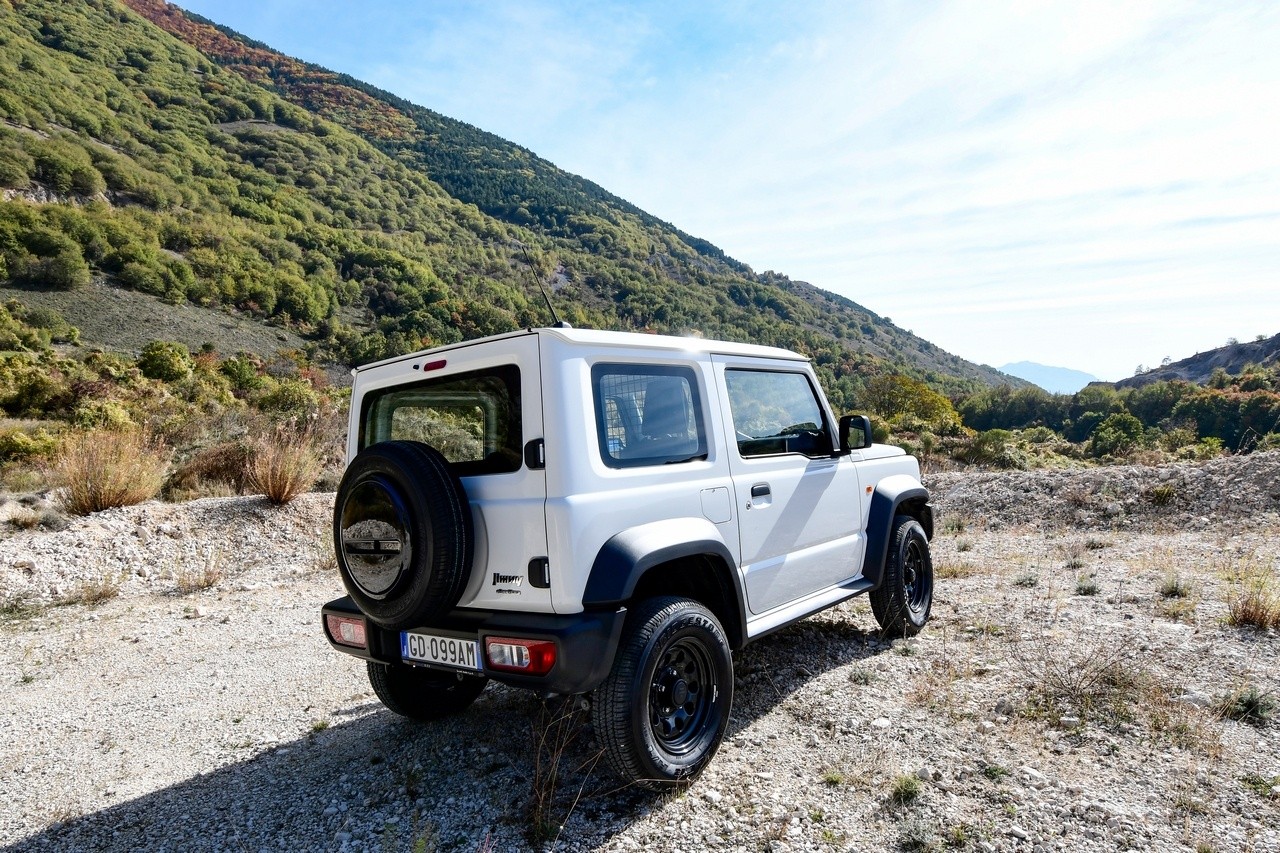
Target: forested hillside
[369, 225]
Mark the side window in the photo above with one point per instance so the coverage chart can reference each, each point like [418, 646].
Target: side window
[647, 415]
[472, 418]
[776, 412]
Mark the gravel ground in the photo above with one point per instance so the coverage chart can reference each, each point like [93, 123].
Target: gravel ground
[1027, 716]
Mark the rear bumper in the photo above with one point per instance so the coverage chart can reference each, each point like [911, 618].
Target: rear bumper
[585, 642]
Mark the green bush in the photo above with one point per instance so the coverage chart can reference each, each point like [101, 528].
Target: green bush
[16, 333]
[60, 331]
[165, 360]
[65, 270]
[1117, 434]
[24, 444]
[289, 398]
[995, 448]
[16, 167]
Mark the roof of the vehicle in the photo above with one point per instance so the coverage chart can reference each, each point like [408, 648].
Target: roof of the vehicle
[634, 340]
[597, 337]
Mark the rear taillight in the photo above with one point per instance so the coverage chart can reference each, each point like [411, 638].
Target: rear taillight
[532, 657]
[346, 630]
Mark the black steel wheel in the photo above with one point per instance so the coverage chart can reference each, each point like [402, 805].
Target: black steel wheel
[403, 534]
[664, 707]
[904, 598]
[420, 693]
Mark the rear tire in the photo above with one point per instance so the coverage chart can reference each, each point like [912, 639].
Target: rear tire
[423, 694]
[664, 708]
[905, 596]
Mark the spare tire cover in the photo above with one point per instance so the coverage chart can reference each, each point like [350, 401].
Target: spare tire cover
[403, 534]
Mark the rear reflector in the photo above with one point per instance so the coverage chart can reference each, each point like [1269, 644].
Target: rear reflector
[346, 630]
[532, 657]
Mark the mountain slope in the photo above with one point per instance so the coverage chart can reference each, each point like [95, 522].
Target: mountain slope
[1200, 367]
[511, 183]
[130, 158]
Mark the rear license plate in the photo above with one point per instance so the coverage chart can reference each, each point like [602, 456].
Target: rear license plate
[454, 652]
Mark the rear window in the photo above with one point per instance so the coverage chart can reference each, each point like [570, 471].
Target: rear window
[472, 418]
[647, 415]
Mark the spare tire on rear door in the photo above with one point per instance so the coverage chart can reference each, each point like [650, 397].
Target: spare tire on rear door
[403, 534]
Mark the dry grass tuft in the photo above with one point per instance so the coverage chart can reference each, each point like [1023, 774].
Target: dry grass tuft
[25, 519]
[1250, 705]
[935, 688]
[202, 577]
[1087, 585]
[905, 790]
[1179, 598]
[94, 590]
[955, 569]
[285, 463]
[1103, 679]
[1252, 598]
[558, 724]
[102, 469]
[1080, 678]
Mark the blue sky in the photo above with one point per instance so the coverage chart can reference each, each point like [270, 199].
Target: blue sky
[1089, 185]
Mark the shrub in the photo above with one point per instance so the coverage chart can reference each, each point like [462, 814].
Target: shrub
[60, 331]
[242, 372]
[224, 463]
[288, 397]
[1119, 433]
[25, 444]
[166, 361]
[995, 447]
[66, 270]
[285, 463]
[100, 469]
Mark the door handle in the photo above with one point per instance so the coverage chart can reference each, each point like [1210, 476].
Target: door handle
[760, 490]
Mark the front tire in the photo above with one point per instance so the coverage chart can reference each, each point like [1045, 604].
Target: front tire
[664, 708]
[423, 694]
[905, 596]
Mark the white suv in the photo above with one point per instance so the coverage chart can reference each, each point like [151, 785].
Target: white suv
[607, 513]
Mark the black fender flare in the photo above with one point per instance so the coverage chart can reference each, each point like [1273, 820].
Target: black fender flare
[888, 498]
[626, 557]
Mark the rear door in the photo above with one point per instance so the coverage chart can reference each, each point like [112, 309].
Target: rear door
[800, 505]
[481, 406]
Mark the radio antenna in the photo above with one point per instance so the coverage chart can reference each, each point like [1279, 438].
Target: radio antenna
[546, 297]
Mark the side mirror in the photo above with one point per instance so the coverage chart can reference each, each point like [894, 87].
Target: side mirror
[855, 432]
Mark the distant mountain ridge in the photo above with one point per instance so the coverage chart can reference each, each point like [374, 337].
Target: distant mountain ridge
[1055, 380]
[1232, 358]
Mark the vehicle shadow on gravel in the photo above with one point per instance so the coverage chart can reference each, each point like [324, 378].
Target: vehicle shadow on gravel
[485, 780]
